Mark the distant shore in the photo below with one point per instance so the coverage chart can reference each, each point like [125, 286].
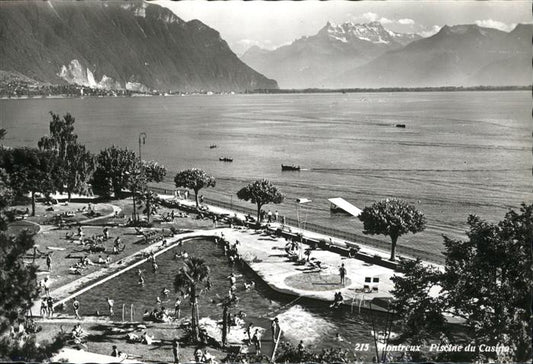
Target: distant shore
[276, 91]
[395, 89]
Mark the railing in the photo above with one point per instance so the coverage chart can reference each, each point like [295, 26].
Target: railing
[329, 231]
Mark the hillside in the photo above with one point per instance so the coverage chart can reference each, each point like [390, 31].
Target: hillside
[133, 45]
[462, 55]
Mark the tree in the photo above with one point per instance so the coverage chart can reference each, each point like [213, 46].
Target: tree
[487, 281]
[150, 203]
[189, 278]
[18, 290]
[61, 135]
[30, 171]
[195, 179]
[260, 192]
[144, 173]
[153, 171]
[76, 163]
[113, 173]
[80, 165]
[394, 218]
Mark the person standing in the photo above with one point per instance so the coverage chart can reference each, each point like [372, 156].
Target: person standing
[301, 350]
[50, 304]
[114, 353]
[176, 350]
[49, 261]
[257, 341]
[110, 304]
[274, 327]
[46, 286]
[269, 216]
[106, 233]
[342, 274]
[76, 306]
[276, 216]
[177, 309]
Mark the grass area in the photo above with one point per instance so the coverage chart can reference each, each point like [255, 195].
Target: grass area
[15, 227]
[65, 251]
[46, 214]
[103, 335]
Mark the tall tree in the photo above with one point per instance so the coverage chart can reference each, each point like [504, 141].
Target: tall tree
[144, 173]
[487, 281]
[113, 173]
[30, 171]
[189, 278]
[394, 218]
[260, 192]
[76, 163]
[195, 179]
[80, 165]
[61, 135]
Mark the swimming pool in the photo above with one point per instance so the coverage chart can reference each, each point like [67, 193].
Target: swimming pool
[311, 321]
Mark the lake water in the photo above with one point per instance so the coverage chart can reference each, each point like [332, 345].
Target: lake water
[461, 152]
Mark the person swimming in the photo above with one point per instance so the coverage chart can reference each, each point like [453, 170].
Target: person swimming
[165, 292]
[141, 280]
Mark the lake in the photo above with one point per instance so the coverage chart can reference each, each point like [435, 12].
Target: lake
[460, 153]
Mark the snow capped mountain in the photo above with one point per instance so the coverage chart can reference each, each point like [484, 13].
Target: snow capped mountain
[372, 32]
[310, 60]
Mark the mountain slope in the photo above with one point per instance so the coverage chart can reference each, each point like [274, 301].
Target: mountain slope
[334, 49]
[462, 55]
[131, 45]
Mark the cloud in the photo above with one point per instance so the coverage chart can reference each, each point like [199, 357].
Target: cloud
[369, 17]
[490, 23]
[428, 32]
[406, 21]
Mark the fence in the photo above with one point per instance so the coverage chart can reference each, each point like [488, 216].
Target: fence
[329, 231]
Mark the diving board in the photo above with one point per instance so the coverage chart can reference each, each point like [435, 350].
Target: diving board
[341, 204]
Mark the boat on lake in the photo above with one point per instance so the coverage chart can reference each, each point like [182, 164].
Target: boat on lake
[212, 146]
[290, 167]
[400, 125]
[225, 159]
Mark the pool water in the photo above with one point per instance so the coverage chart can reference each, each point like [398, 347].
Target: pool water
[311, 321]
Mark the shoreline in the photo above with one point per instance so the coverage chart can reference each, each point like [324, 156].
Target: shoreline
[290, 91]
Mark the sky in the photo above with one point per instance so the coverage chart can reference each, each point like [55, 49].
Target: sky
[270, 24]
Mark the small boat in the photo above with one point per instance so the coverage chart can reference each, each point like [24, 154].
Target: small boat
[400, 125]
[290, 168]
[225, 159]
[212, 146]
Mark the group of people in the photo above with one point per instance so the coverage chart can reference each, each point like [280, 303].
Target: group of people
[338, 300]
[47, 307]
[271, 217]
[231, 251]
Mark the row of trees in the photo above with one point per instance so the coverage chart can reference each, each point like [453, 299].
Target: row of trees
[60, 163]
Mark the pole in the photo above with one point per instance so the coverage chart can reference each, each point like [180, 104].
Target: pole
[276, 346]
[142, 138]
[131, 313]
[123, 312]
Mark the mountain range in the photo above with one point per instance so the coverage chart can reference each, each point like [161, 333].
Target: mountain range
[133, 45]
[370, 56]
[309, 61]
